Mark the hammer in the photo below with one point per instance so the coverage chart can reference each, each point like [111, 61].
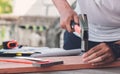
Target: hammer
[83, 21]
[84, 31]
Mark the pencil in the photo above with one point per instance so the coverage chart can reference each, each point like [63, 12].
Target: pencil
[16, 61]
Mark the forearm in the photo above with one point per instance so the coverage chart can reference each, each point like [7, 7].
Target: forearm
[62, 6]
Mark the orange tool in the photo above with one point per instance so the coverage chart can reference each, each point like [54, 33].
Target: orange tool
[10, 44]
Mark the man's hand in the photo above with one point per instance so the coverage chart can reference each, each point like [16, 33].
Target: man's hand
[67, 14]
[99, 55]
[66, 18]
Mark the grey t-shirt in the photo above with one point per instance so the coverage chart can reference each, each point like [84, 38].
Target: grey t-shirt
[103, 17]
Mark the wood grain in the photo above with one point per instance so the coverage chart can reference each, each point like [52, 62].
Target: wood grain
[70, 63]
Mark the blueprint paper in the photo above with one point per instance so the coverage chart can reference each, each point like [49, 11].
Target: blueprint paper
[57, 52]
[43, 51]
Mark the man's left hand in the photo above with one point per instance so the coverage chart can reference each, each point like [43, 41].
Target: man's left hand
[99, 55]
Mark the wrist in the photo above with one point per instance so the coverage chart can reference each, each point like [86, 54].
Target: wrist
[115, 49]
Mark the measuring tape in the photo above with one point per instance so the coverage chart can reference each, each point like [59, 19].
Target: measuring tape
[10, 44]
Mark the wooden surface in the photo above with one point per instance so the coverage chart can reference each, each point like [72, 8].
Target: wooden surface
[70, 63]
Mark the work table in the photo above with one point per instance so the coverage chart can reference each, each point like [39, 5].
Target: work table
[72, 64]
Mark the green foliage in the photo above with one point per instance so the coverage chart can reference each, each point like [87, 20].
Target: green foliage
[5, 6]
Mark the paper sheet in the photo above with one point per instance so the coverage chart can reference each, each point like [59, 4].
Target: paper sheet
[43, 51]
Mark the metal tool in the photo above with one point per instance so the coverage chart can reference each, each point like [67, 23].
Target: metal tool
[84, 31]
[83, 22]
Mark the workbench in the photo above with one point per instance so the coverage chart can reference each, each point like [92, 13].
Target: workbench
[72, 65]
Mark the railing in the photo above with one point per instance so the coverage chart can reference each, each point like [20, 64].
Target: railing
[27, 30]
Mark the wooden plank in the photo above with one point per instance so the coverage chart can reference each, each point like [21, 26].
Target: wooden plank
[70, 63]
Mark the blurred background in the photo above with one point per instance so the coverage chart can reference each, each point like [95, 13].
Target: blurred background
[31, 22]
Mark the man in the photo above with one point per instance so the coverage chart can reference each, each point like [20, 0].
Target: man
[104, 28]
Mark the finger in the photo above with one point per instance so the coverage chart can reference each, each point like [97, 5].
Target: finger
[100, 59]
[68, 26]
[77, 29]
[107, 61]
[76, 19]
[94, 55]
[91, 51]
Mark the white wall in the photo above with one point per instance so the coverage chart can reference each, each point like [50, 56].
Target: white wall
[35, 7]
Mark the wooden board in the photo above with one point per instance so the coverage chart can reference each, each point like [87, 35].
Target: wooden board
[70, 63]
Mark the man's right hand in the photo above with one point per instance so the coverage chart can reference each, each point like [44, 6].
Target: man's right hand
[66, 18]
[67, 14]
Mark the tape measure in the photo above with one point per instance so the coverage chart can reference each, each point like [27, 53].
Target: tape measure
[10, 44]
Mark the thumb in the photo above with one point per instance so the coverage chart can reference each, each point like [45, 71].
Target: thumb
[76, 27]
